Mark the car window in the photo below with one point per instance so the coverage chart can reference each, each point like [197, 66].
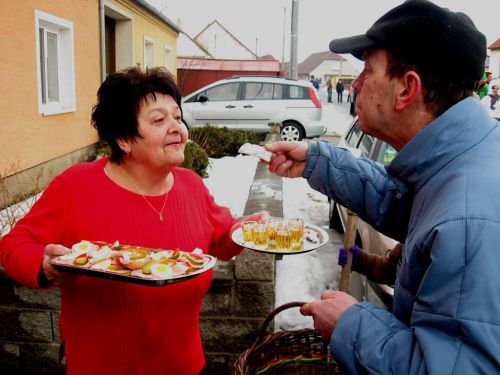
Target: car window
[258, 91]
[386, 153]
[353, 136]
[225, 92]
[366, 145]
[298, 92]
[278, 92]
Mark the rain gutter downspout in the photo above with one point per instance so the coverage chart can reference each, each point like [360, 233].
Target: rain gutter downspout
[102, 38]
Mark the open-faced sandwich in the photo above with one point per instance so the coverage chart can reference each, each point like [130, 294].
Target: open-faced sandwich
[255, 150]
[135, 261]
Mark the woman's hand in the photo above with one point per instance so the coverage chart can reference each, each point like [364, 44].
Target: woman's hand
[260, 217]
[51, 275]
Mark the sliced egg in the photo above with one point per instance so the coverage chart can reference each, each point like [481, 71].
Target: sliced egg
[100, 254]
[101, 265]
[161, 270]
[157, 255]
[197, 251]
[84, 246]
[71, 256]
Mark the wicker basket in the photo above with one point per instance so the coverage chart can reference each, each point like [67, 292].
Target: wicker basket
[287, 352]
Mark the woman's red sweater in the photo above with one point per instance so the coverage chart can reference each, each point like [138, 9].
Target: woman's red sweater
[113, 327]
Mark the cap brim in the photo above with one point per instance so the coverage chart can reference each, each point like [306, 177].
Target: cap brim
[355, 45]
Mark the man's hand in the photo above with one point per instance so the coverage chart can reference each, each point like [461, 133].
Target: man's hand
[51, 274]
[327, 311]
[289, 159]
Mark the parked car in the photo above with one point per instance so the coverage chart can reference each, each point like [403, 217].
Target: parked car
[364, 145]
[253, 102]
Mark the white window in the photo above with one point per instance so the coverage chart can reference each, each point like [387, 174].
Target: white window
[149, 52]
[168, 58]
[55, 64]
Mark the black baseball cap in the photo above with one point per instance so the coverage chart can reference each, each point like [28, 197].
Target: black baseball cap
[419, 32]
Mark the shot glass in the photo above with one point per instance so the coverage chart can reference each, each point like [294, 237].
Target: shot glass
[272, 226]
[296, 235]
[247, 230]
[260, 236]
[283, 237]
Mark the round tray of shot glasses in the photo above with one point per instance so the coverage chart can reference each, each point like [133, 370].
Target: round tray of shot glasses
[280, 236]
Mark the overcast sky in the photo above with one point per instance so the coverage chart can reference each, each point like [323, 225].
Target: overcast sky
[259, 24]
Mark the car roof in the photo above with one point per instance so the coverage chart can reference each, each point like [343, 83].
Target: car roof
[252, 78]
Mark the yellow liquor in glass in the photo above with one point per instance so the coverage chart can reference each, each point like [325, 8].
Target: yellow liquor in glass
[247, 230]
[283, 238]
[271, 233]
[260, 237]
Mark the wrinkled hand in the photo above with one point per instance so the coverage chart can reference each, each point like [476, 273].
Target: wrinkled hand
[327, 311]
[53, 276]
[356, 253]
[289, 158]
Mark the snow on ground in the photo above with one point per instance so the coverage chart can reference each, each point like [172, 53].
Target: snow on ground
[229, 181]
[299, 277]
[303, 277]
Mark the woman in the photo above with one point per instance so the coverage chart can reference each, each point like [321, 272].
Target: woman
[137, 196]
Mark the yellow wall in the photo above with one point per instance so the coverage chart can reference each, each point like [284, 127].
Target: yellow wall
[27, 138]
[146, 24]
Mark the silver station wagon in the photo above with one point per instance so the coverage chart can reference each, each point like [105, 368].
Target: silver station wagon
[254, 102]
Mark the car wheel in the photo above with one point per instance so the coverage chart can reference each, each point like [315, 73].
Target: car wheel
[291, 132]
[335, 222]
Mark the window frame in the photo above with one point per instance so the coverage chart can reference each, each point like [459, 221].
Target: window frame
[148, 43]
[65, 64]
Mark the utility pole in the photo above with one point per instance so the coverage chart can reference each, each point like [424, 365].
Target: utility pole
[293, 47]
[284, 31]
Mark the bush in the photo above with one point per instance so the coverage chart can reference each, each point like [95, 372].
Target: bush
[219, 142]
[196, 159]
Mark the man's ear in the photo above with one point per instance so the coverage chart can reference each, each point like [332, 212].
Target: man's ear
[409, 91]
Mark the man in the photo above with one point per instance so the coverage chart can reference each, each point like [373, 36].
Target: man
[484, 85]
[314, 82]
[340, 91]
[439, 196]
[492, 102]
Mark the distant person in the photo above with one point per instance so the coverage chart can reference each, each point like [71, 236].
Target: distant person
[492, 101]
[315, 83]
[438, 196]
[137, 196]
[340, 91]
[484, 85]
[329, 90]
[354, 95]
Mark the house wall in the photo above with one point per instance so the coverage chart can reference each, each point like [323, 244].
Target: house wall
[495, 63]
[146, 25]
[27, 137]
[332, 69]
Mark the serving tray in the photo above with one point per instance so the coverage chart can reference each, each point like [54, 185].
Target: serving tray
[61, 264]
[309, 245]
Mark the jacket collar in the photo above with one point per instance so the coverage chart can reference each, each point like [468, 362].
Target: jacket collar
[447, 137]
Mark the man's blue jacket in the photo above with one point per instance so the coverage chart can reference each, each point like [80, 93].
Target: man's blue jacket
[441, 197]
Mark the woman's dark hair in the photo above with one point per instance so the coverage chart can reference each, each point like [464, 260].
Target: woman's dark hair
[119, 100]
[439, 92]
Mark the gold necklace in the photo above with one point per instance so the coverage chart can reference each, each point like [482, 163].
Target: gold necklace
[159, 213]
